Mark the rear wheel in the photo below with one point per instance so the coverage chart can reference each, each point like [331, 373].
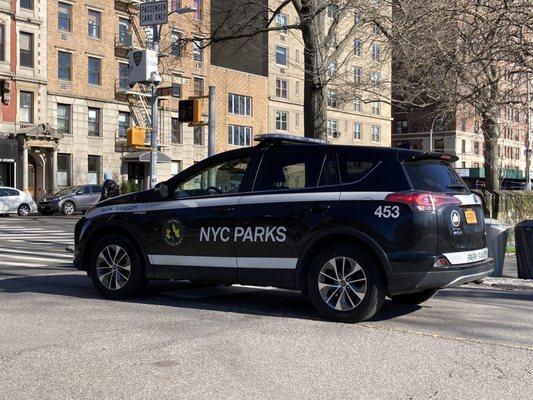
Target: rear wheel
[116, 269]
[414, 298]
[68, 208]
[344, 284]
[23, 210]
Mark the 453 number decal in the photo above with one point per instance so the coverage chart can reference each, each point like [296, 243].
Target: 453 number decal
[387, 212]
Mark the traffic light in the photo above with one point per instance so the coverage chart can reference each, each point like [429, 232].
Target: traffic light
[190, 111]
[136, 137]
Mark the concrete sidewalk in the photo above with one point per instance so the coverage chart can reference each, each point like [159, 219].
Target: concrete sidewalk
[509, 266]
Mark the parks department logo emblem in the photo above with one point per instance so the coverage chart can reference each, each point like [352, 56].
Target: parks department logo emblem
[456, 218]
[173, 231]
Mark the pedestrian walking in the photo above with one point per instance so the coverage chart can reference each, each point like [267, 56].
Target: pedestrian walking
[109, 188]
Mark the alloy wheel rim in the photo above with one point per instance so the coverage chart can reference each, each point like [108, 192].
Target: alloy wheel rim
[24, 210]
[342, 283]
[113, 267]
[69, 208]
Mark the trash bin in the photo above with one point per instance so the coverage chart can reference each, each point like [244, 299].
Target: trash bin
[497, 235]
[524, 249]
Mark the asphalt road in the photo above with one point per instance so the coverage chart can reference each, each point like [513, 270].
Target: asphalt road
[60, 340]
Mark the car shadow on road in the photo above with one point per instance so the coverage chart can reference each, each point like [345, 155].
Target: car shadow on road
[182, 294]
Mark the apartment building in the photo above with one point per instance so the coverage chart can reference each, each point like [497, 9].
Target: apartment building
[355, 116]
[91, 104]
[26, 148]
[460, 133]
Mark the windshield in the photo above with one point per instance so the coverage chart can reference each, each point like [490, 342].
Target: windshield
[65, 191]
[435, 176]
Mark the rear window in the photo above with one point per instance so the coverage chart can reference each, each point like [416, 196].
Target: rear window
[434, 176]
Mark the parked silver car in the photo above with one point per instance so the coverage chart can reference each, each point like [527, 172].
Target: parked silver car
[70, 200]
[14, 201]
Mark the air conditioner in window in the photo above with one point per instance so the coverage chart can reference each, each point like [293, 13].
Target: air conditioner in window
[336, 134]
[64, 85]
[199, 65]
[64, 36]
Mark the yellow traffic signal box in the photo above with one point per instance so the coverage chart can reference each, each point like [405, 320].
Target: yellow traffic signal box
[136, 137]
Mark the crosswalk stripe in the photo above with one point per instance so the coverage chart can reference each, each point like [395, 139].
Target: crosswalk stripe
[42, 259]
[57, 255]
[32, 235]
[20, 264]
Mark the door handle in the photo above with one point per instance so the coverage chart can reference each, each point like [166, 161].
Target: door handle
[223, 209]
[318, 209]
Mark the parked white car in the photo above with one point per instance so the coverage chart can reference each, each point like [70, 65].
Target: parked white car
[14, 201]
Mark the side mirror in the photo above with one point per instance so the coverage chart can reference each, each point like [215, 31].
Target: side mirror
[162, 190]
[79, 192]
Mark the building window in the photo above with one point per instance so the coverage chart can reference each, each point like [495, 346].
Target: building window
[123, 75]
[282, 88]
[438, 145]
[239, 105]
[198, 87]
[333, 99]
[26, 49]
[282, 20]
[239, 135]
[333, 69]
[376, 52]
[27, 4]
[94, 24]
[95, 69]
[64, 162]
[176, 167]
[463, 146]
[281, 56]
[26, 107]
[176, 90]
[376, 108]
[197, 49]
[123, 124]
[64, 17]
[2, 42]
[357, 131]
[93, 168]
[63, 118]
[375, 78]
[175, 130]
[94, 121]
[198, 4]
[357, 74]
[476, 148]
[282, 121]
[198, 135]
[64, 66]
[402, 126]
[333, 129]
[376, 133]
[357, 104]
[175, 44]
[124, 34]
[357, 47]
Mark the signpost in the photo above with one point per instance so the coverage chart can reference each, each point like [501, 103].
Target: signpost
[154, 13]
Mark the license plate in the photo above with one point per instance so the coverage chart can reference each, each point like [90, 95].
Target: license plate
[470, 216]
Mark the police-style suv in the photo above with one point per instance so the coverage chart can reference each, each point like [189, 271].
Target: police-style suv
[346, 225]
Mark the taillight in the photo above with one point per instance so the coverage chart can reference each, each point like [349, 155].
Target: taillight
[423, 201]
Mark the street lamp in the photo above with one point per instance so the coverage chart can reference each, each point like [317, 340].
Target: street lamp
[431, 133]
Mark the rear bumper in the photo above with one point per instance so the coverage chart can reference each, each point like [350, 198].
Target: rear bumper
[411, 282]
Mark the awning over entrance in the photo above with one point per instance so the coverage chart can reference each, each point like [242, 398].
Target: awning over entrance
[144, 157]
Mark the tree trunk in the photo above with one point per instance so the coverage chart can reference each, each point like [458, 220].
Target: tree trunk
[315, 94]
[491, 132]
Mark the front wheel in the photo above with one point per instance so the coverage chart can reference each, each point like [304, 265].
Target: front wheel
[344, 284]
[116, 269]
[68, 208]
[23, 210]
[414, 298]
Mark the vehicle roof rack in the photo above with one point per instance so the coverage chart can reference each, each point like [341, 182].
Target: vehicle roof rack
[434, 156]
[279, 137]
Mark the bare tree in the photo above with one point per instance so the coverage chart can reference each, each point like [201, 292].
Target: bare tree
[465, 54]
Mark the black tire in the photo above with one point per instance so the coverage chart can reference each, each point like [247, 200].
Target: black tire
[374, 294]
[136, 281]
[23, 210]
[68, 208]
[414, 298]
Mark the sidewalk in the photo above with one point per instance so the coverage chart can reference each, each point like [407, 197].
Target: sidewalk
[509, 266]
[509, 279]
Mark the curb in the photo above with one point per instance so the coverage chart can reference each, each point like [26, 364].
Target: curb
[523, 285]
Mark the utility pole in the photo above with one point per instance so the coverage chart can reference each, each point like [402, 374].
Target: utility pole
[154, 81]
[528, 131]
[211, 127]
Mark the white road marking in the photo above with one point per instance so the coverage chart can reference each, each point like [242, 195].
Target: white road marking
[48, 257]
[4, 250]
[20, 264]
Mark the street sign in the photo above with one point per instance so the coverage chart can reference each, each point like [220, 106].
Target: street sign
[154, 13]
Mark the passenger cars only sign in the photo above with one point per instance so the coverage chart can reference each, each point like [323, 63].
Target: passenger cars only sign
[154, 13]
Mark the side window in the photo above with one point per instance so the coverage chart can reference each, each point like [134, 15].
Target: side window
[85, 190]
[97, 189]
[285, 170]
[354, 168]
[3, 192]
[219, 179]
[12, 192]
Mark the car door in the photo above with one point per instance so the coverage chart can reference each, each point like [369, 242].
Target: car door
[190, 233]
[3, 201]
[96, 193]
[83, 197]
[295, 195]
[12, 200]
